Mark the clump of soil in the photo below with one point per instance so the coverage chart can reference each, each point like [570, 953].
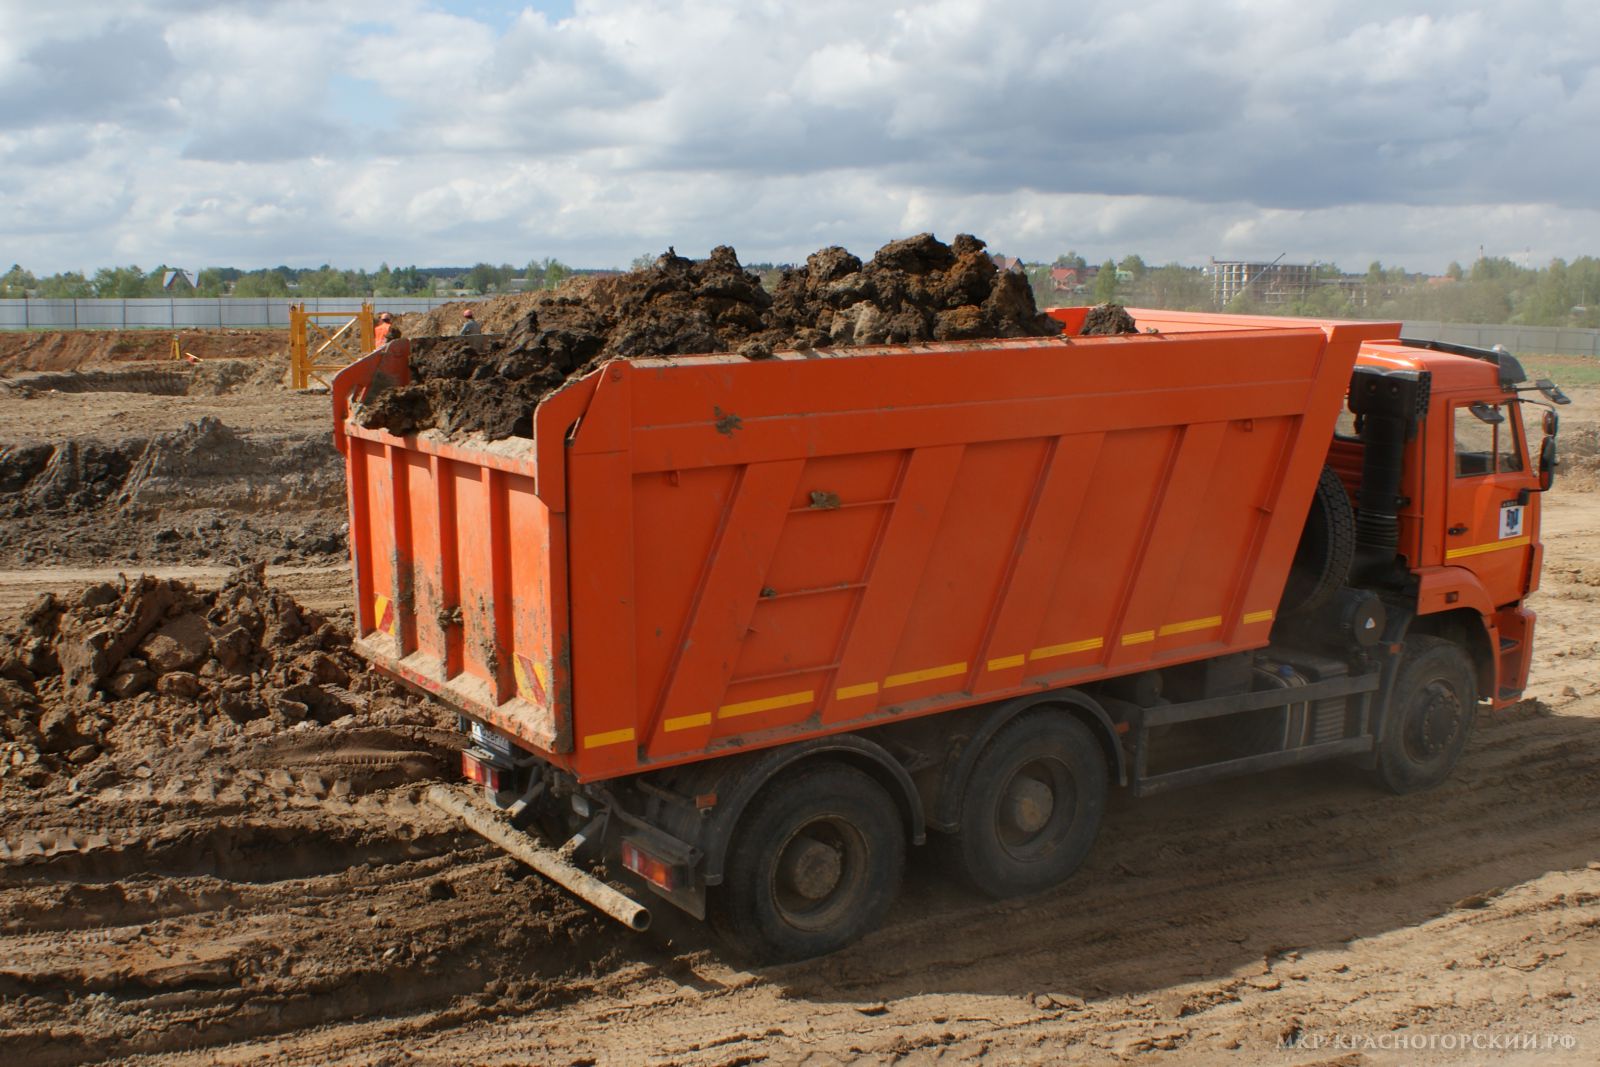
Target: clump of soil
[1105, 320]
[912, 290]
[132, 667]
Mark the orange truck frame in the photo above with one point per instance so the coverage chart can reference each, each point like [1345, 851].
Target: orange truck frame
[748, 629]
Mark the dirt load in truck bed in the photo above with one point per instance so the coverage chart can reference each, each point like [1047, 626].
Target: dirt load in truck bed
[916, 289]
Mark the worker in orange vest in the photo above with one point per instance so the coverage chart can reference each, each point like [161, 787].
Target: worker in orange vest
[380, 335]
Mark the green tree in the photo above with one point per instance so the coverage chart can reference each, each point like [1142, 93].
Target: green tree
[1071, 259]
[1105, 283]
[17, 283]
[67, 286]
[555, 272]
[209, 282]
[261, 284]
[1134, 265]
[325, 281]
[1178, 288]
[128, 283]
[1454, 271]
[480, 279]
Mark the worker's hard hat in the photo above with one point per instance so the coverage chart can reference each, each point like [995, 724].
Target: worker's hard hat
[466, 313]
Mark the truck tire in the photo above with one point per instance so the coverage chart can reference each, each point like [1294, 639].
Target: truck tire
[815, 863]
[1430, 715]
[1327, 548]
[1032, 806]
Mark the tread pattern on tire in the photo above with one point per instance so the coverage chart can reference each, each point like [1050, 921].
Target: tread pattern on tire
[1327, 548]
[1394, 771]
[742, 913]
[976, 860]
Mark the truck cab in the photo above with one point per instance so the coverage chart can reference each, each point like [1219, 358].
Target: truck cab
[1468, 517]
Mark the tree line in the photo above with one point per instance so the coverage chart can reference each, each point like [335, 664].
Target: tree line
[1492, 290]
[132, 282]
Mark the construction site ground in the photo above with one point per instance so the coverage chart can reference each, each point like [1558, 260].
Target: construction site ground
[254, 893]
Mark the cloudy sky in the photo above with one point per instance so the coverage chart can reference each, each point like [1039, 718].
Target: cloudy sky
[257, 132]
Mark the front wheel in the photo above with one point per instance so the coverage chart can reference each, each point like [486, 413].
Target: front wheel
[1430, 715]
[815, 864]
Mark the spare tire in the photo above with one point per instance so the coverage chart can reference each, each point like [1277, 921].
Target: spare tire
[1327, 548]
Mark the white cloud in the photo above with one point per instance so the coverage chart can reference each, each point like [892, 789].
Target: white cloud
[203, 133]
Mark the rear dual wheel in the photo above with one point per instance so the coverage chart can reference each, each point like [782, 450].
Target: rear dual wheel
[1032, 806]
[815, 864]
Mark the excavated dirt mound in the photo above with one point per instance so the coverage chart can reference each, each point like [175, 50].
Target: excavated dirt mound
[212, 826]
[916, 289]
[72, 349]
[1578, 457]
[125, 670]
[212, 463]
[497, 315]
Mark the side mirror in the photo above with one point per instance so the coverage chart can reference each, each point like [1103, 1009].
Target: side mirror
[1547, 463]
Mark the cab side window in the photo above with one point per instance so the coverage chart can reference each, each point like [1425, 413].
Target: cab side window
[1486, 440]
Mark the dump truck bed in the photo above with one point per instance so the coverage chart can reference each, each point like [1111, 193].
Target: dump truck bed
[702, 554]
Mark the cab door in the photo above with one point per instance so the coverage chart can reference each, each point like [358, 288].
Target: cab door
[1490, 511]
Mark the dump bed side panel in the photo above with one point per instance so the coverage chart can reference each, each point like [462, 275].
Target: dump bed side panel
[460, 581]
[778, 549]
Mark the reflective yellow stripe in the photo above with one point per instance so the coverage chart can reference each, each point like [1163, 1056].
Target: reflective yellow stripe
[380, 607]
[750, 707]
[611, 737]
[1004, 663]
[1143, 637]
[687, 722]
[1191, 625]
[1258, 616]
[1492, 546]
[850, 692]
[1048, 651]
[912, 677]
[524, 690]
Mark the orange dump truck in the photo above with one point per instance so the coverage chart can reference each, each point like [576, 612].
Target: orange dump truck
[747, 629]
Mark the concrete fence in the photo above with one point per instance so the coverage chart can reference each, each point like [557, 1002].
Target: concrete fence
[187, 313]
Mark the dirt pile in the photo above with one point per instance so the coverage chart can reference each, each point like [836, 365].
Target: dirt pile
[71, 349]
[1578, 456]
[131, 667]
[916, 289]
[201, 492]
[497, 315]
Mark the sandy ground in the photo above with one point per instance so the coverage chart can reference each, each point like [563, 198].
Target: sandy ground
[249, 895]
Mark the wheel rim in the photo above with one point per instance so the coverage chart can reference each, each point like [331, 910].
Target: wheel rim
[818, 873]
[1038, 801]
[1432, 722]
